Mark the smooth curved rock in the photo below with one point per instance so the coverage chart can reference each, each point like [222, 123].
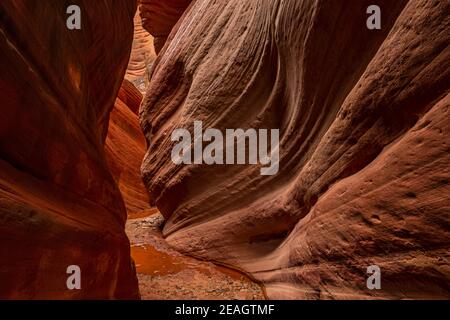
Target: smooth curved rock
[142, 56]
[130, 96]
[59, 204]
[125, 148]
[364, 123]
[159, 17]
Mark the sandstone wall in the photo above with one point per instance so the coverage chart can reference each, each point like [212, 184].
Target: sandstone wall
[142, 56]
[364, 125]
[59, 204]
[159, 17]
[125, 148]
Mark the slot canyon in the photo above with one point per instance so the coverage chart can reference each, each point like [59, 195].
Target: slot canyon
[87, 177]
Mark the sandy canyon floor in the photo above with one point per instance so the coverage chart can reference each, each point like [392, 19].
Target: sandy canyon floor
[164, 273]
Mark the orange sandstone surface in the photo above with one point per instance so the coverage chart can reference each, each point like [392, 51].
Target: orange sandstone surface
[59, 203]
[125, 148]
[142, 56]
[364, 123]
[364, 175]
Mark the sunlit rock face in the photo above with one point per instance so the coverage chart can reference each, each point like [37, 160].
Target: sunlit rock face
[125, 148]
[142, 56]
[59, 204]
[364, 122]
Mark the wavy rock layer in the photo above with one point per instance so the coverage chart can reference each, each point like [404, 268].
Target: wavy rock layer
[59, 205]
[159, 17]
[125, 148]
[364, 163]
[142, 56]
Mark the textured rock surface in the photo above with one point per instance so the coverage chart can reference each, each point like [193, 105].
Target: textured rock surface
[165, 274]
[59, 205]
[159, 17]
[142, 56]
[125, 148]
[364, 124]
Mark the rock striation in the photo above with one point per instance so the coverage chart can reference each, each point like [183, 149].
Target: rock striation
[142, 56]
[125, 148]
[364, 152]
[159, 17]
[59, 204]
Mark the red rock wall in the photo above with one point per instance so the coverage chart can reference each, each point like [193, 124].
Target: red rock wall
[142, 56]
[59, 204]
[159, 17]
[125, 148]
[364, 161]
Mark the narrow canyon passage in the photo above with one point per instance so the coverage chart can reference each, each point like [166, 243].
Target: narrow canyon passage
[162, 272]
[165, 274]
[91, 114]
